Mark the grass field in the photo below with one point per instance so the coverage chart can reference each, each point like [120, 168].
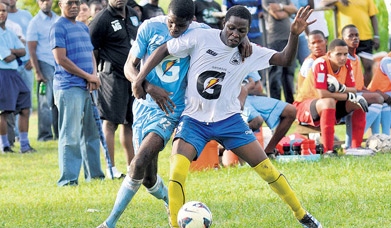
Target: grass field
[340, 192]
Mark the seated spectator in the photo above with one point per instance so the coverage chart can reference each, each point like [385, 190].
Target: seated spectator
[328, 93]
[277, 114]
[381, 83]
[351, 36]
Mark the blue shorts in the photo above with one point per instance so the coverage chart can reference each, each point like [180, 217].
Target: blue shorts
[14, 95]
[269, 108]
[231, 133]
[147, 119]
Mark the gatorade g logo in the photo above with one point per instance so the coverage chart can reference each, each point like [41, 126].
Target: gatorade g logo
[209, 84]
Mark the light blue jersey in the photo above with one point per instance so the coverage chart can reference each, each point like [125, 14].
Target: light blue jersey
[170, 74]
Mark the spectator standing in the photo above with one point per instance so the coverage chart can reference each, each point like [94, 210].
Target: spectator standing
[84, 14]
[255, 8]
[328, 93]
[318, 14]
[362, 14]
[381, 83]
[277, 15]
[152, 9]
[205, 11]
[95, 7]
[42, 60]
[112, 33]
[22, 17]
[15, 95]
[302, 49]
[375, 101]
[75, 78]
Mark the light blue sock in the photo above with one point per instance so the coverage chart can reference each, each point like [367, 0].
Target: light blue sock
[159, 190]
[125, 194]
[4, 141]
[348, 135]
[376, 125]
[374, 111]
[24, 141]
[386, 119]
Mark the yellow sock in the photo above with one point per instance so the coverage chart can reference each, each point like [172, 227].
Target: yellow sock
[280, 185]
[179, 168]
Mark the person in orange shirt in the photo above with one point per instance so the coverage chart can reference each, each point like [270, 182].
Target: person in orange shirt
[381, 83]
[328, 93]
[375, 101]
[317, 44]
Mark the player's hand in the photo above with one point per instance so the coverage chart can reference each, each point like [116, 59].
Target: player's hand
[376, 43]
[388, 100]
[245, 48]
[138, 89]
[93, 82]
[333, 85]
[162, 98]
[300, 23]
[360, 100]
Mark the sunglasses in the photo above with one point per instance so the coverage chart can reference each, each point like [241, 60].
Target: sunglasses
[70, 3]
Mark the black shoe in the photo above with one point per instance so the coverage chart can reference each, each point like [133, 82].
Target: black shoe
[310, 222]
[273, 155]
[29, 150]
[8, 149]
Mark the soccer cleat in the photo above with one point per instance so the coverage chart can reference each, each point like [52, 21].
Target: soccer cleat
[103, 225]
[308, 221]
[7, 149]
[29, 150]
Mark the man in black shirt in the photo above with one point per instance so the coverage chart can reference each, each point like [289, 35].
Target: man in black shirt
[112, 31]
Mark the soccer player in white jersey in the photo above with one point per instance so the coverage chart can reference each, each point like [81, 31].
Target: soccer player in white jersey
[212, 106]
[152, 128]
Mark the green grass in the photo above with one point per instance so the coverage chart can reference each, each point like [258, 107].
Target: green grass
[340, 192]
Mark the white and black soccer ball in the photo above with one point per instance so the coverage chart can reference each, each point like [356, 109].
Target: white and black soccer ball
[194, 214]
[379, 143]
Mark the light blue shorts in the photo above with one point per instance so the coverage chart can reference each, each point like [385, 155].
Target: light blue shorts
[231, 133]
[269, 109]
[151, 119]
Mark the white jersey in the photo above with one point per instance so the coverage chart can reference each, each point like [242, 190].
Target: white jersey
[215, 74]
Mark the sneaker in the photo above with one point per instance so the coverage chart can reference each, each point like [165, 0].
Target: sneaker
[308, 221]
[29, 150]
[116, 174]
[103, 225]
[7, 149]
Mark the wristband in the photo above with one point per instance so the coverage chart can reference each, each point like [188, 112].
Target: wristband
[281, 6]
[376, 37]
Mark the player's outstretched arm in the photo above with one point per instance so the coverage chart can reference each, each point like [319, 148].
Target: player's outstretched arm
[298, 26]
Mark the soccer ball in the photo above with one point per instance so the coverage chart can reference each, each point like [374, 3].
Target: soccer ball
[194, 214]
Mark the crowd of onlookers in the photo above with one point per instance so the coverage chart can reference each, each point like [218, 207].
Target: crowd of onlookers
[331, 85]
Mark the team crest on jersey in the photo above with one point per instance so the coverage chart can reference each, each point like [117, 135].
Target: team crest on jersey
[116, 25]
[236, 59]
[209, 84]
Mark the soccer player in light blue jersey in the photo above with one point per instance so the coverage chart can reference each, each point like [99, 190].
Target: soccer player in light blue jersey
[152, 128]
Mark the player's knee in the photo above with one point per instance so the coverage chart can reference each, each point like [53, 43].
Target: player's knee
[255, 123]
[290, 112]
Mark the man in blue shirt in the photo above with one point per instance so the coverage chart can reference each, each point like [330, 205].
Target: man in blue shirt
[14, 96]
[74, 78]
[42, 59]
